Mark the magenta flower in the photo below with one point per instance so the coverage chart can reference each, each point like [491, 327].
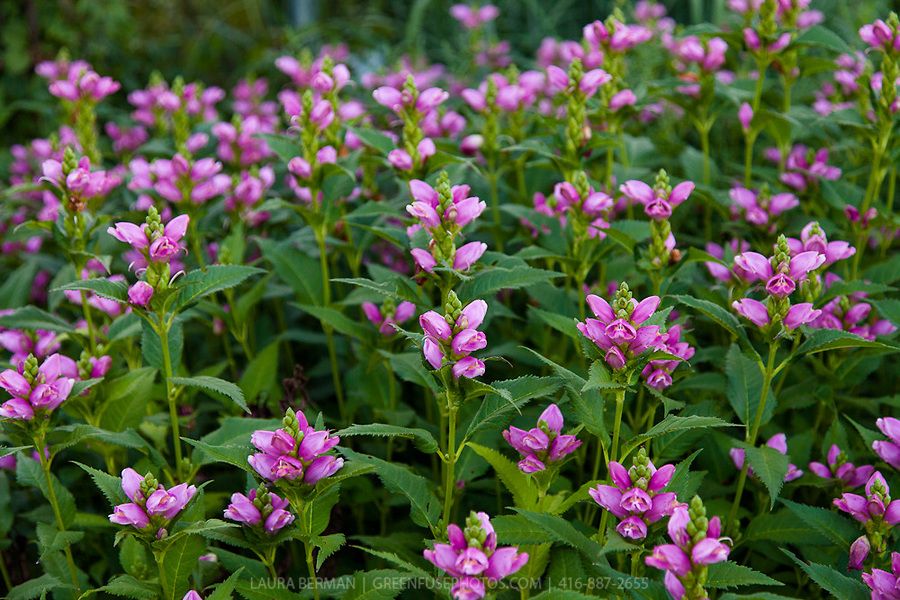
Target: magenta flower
[402, 101]
[450, 339]
[812, 239]
[880, 36]
[74, 81]
[620, 331]
[296, 453]
[884, 584]
[804, 168]
[152, 507]
[140, 294]
[840, 469]
[388, 315]
[889, 449]
[708, 56]
[878, 513]
[473, 17]
[20, 343]
[776, 442]
[81, 183]
[544, 444]
[745, 116]
[850, 313]
[658, 373]
[697, 543]
[37, 390]
[156, 242]
[473, 558]
[636, 497]
[759, 208]
[615, 36]
[260, 507]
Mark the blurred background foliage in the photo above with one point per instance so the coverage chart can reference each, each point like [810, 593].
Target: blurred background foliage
[219, 41]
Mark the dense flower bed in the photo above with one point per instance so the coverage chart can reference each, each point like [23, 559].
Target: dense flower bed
[616, 321]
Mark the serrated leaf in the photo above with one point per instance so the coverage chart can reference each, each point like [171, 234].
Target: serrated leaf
[179, 561]
[32, 317]
[328, 545]
[215, 385]
[422, 438]
[340, 322]
[561, 530]
[201, 283]
[782, 527]
[374, 139]
[720, 315]
[518, 483]
[831, 580]
[821, 340]
[297, 269]
[260, 374]
[110, 485]
[745, 386]
[492, 280]
[727, 574]
[674, 423]
[125, 399]
[29, 472]
[424, 506]
[36, 588]
[113, 290]
[770, 466]
[494, 408]
[836, 528]
[126, 586]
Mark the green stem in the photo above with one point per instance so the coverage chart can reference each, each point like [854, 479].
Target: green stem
[450, 467]
[160, 556]
[495, 205]
[329, 331]
[163, 332]
[704, 145]
[749, 142]
[750, 436]
[92, 335]
[7, 580]
[311, 567]
[57, 513]
[617, 424]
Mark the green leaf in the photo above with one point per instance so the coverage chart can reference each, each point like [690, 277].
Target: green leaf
[215, 385]
[381, 584]
[424, 506]
[284, 146]
[518, 483]
[201, 283]
[831, 580]
[836, 528]
[718, 314]
[151, 347]
[328, 545]
[37, 588]
[493, 279]
[561, 530]
[337, 320]
[114, 290]
[52, 540]
[495, 409]
[727, 574]
[599, 378]
[374, 139]
[744, 387]
[110, 485]
[822, 36]
[770, 466]
[125, 399]
[558, 322]
[820, 340]
[782, 527]
[32, 317]
[126, 586]
[232, 454]
[261, 373]
[673, 423]
[29, 472]
[422, 438]
[179, 561]
[297, 269]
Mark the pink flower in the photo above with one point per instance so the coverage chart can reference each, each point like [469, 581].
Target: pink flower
[888, 450]
[295, 452]
[840, 469]
[542, 444]
[140, 294]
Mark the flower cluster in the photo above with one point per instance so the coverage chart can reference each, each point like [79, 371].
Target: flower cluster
[636, 497]
[180, 179]
[388, 315]
[659, 202]
[260, 507]
[153, 507]
[842, 470]
[658, 372]
[37, 390]
[75, 182]
[851, 313]
[443, 212]
[619, 329]
[696, 544]
[473, 558]
[884, 584]
[20, 342]
[878, 514]
[889, 449]
[544, 444]
[804, 168]
[296, 452]
[451, 338]
[781, 274]
[760, 208]
[777, 442]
